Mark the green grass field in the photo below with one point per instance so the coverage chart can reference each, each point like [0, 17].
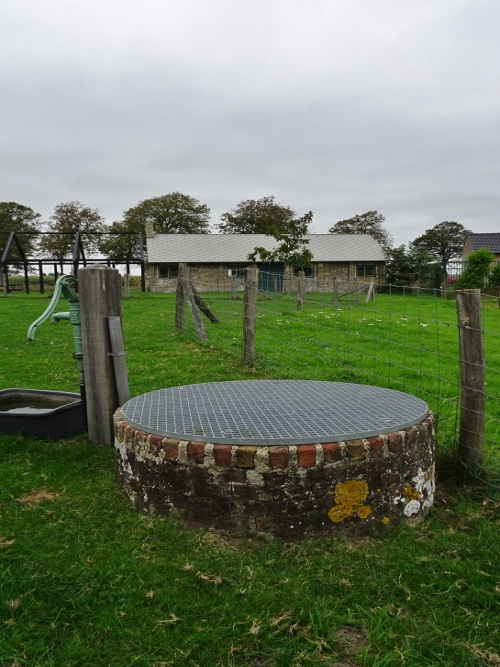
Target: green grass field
[86, 580]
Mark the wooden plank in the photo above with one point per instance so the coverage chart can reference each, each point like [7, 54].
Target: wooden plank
[99, 289]
[250, 313]
[191, 301]
[471, 359]
[118, 358]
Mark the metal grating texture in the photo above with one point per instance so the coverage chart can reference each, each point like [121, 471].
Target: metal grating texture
[273, 412]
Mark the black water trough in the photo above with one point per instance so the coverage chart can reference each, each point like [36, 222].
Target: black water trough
[40, 413]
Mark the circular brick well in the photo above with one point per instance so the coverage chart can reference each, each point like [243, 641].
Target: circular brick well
[287, 490]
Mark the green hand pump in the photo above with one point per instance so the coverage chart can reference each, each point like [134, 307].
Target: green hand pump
[66, 286]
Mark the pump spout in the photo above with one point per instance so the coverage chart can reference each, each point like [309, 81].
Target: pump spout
[63, 287]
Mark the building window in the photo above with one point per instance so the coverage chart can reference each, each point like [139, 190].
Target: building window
[168, 270]
[366, 271]
[236, 271]
[308, 271]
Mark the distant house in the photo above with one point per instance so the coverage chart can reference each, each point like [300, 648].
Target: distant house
[216, 261]
[477, 241]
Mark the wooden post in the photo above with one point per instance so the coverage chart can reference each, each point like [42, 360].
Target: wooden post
[301, 290]
[5, 280]
[40, 277]
[202, 305]
[126, 286]
[99, 289]
[234, 288]
[335, 292]
[356, 290]
[250, 313]
[188, 293]
[471, 358]
[370, 296]
[179, 297]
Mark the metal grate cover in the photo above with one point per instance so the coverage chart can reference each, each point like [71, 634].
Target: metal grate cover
[273, 412]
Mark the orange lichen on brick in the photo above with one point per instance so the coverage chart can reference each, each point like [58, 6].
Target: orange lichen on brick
[350, 497]
[364, 512]
[412, 494]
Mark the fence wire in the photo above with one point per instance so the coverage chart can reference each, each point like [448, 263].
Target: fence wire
[406, 339]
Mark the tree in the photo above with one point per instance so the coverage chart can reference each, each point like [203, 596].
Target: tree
[444, 241]
[67, 219]
[174, 213]
[261, 216]
[478, 268]
[119, 247]
[292, 248]
[410, 266]
[18, 218]
[371, 222]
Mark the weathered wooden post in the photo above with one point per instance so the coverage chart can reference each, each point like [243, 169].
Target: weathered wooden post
[126, 286]
[250, 313]
[179, 296]
[370, 296]
[301, 290]
[99, 289]
[471, 358]
[335, 292]
[234, 288]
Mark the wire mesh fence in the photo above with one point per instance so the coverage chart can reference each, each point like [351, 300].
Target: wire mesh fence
[405, 339]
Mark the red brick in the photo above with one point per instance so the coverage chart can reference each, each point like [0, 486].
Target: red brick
[306, 455]
[355, 449]
[244, 456]
[155, 444]
[412, 435]
[222, 455]
[170, 449]
[196, 451]
[278, 457]
[332, 451]
[376, 445]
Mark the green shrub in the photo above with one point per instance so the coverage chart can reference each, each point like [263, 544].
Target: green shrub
[478, 268]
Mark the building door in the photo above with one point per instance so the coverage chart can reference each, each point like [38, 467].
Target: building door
[271, 277]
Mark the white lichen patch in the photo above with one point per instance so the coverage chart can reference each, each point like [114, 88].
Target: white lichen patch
[412, 507]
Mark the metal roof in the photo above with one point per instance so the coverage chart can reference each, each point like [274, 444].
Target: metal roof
[489, 241]
[227, 248]
[273, 412]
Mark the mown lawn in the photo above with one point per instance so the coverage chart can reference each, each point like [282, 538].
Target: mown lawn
[86, 580]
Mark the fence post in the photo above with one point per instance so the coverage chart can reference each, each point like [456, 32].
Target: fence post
[250, 313]
[356, 289]
[99, 289]
[335, 292]
[179, 296]
[234, 288]
[471, 358]
[126, 286]
[301, 290]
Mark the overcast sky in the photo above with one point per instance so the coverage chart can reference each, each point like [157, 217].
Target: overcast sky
[334, 106]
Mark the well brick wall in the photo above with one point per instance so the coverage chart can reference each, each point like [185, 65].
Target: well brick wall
[287, 491]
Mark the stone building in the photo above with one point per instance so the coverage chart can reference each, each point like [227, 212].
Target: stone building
[217, 261]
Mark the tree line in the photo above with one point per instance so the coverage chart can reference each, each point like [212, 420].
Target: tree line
[423, 261]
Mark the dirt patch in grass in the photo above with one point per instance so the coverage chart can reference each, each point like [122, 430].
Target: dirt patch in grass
[37, 496]
[351, 639]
